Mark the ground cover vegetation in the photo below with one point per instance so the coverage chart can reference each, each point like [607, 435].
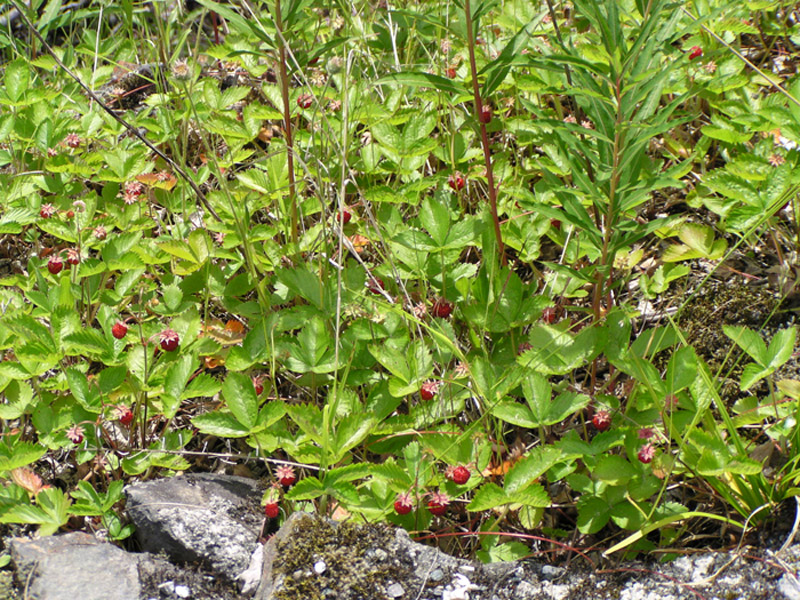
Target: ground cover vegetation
[516, 276]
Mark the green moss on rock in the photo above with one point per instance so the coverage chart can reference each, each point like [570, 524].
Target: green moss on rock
[358, 560]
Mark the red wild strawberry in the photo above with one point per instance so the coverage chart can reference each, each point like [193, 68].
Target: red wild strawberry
[403, 504]
[55, 264]
[119, 330]
[285, 475]
[456, 182]
[550, 315]
[601, 420]
[73, 140]
[645, 433]
[345, 217]
[272, 509]
[695, 52]
[428, 390]
[258, 385]
[459, 474]
[169, 340]
[47, 211]
[485, 115]
[646, 453]
[375, 285]
[442, 308]
[124, 415]
[437, 505]
[305, 100]
[75, 434]
[451, 72]
[73, 256]
[70, 214]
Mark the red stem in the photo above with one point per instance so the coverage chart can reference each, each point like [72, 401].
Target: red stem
[487, 154]
[287, 117]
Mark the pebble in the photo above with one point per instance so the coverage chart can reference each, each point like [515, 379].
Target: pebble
[550, 572]
[319, 567]
[437, 575]
[395, 590]
[182, 591]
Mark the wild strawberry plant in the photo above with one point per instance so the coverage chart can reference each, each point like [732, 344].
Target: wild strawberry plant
[425, 259]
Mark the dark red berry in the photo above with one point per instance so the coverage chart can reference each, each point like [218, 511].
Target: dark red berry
[285, 475]
[73, 140]
[345, 216]
[485, 115]
[73, 256]
[169, 340]
[258, 385]
[125, 415]
[695, 52]
[271, 509]
[403, 504]
[70, 214]
[75, 434]
[119, 330]
[438, 503]
[55, 264]
[451, 72]
[459, 474]
[601, 420]
[305, 100]
[47, 211]
[456, 182]
[646, 453]
[442, 308]
[550, 315]
[428, 390]
[375, 285]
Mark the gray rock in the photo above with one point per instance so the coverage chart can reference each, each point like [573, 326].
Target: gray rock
[789, 587]
[75, 565]
[414, 571]
[207, 518]
[251, 577]
[550, 572]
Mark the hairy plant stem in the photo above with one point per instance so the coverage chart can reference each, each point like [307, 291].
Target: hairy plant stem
[287, 117]
[487, 153]
[611, 210]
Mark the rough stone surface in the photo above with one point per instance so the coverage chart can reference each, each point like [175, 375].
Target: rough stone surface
[213, 519]
[60, 567]
[403, 569]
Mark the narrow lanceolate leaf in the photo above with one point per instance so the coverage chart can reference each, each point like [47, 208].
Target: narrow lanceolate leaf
[416, 79]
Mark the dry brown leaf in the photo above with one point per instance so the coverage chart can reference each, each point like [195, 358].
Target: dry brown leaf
[27, 479]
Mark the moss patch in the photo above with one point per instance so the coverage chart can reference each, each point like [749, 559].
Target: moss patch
[325, 559]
